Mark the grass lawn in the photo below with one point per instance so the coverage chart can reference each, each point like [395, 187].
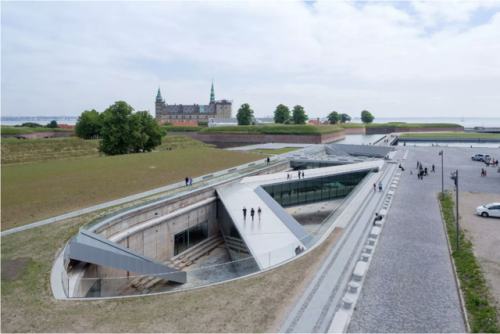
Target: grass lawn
[351, 125]
[16, 151]
[450, 135]
[35, 191]
[277, 151]
[254, 304]
[283, 129]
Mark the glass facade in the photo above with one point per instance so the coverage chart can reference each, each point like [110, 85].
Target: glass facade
[299, 165]
[314, 190]
[190, 237]
[243, 260]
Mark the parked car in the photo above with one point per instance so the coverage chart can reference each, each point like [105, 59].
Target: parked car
[488, 210]
[480, 157]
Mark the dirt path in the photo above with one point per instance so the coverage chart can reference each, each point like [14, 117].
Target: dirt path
[484, 234]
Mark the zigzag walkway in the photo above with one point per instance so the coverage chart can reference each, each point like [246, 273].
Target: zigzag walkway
[315, 308]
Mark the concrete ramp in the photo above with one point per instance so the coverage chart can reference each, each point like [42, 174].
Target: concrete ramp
[91, 248]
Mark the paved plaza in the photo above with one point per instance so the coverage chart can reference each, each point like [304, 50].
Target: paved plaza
[410, 285]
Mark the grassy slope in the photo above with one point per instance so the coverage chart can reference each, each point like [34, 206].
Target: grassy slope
[275, 129]
[451, 135]
[10, 130]
[16, 151]
[278, 151]
[483, 315]
[254, 304]
[36, 191]
[19, 151]
[182, 128]
[352, 125]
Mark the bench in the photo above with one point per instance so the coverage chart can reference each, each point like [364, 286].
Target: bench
[359, 271]
[374, 233]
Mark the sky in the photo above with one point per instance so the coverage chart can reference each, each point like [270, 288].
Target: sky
[395, 59]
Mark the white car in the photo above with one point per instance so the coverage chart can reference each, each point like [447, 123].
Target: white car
[488, 210]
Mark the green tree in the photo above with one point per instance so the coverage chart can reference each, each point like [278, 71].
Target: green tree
[367, 117]
[116, 129]
[88, 124]
[52, 125]
[299, 115]
[244, 115]
[333, 117]
[344, 118]
[146, 133]
[281, 114]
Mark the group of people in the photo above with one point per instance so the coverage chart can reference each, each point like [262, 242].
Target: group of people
[423, 171]
[189, 181]
[483, 172]
[252, 213]
[290, 176]
[493, 162]
[379, 186]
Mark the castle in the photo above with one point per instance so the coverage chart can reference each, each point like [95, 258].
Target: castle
[193, 112]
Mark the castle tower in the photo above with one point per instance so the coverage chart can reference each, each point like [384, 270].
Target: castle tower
[212, 94]
[159, 105]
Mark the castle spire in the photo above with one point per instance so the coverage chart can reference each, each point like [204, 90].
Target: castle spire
[158, 97]
[212, 95]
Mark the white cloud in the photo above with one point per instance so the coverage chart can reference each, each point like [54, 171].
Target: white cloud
[67, 57]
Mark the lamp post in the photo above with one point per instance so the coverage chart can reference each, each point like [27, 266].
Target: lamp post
[442, 174]
[456, 182]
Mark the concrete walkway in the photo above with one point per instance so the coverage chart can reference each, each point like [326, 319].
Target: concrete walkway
[410, 285]
[315, 308]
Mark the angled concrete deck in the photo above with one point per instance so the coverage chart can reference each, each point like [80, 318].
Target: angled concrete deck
[273, 238]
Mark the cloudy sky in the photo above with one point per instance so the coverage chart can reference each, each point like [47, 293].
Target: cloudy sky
[395, 59]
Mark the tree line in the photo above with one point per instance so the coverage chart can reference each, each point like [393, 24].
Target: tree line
[298, 115]
[51, 125]
[281, 115]
[120, 129]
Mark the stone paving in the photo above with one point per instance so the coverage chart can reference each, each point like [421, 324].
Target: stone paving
[410, 285]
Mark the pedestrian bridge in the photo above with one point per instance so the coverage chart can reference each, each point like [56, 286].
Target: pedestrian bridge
[274, 238]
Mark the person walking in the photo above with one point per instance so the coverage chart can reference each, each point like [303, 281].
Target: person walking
[302, 174]
[379, 186]
[433, 169]
[190, 181]
[268, 160]
[244, 213]
[187, 180]
[418, 164]
[425, 171]
[374, 187]
[252, 213]
[287, 176]
[299, 174]
[482, 172]
[259, 212]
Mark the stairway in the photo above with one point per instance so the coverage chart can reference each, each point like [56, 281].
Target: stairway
[144, 284]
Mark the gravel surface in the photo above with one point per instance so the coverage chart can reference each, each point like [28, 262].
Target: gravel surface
[484, 234]
[410, 285]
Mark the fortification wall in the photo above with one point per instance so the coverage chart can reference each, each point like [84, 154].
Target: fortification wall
[214, 138]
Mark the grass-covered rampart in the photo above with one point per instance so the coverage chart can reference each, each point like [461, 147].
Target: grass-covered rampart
[450, 135]
[11, 130]
[15, 151]
[482, 313]
[412, 125]
[278, 129]
[351, 125]
[171, 128]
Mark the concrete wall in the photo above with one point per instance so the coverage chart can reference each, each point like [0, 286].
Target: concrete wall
[40, 135]
[355, 131]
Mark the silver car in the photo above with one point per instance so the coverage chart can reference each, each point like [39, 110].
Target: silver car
[489, 210]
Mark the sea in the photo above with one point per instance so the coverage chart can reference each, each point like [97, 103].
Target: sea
[467, 122]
